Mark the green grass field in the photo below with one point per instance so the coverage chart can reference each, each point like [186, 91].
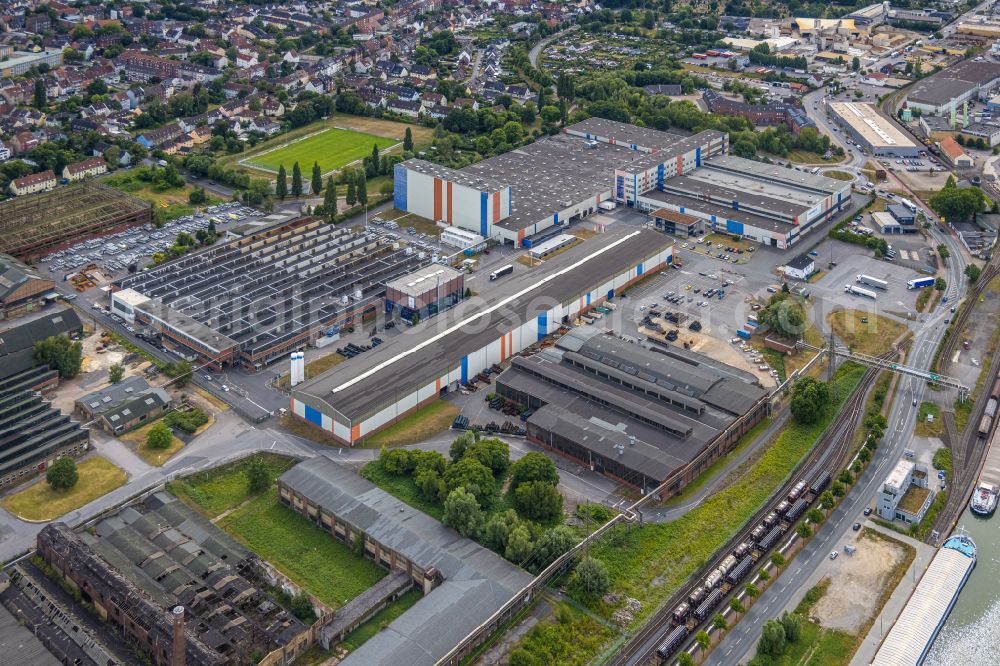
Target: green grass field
[332, 148]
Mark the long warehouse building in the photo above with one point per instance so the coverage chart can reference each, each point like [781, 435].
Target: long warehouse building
[353, 401]
[911, 637]
[874, 130]
[515, 197]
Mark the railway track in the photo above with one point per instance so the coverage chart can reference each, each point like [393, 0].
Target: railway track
[990, 271]
[968, 450]
[830, 454]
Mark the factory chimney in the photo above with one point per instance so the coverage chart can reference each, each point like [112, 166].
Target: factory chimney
[177, 656]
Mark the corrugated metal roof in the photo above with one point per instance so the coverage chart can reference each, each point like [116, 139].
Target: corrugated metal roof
[910, 638]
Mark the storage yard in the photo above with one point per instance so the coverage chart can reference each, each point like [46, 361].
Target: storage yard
[516, 196]
[250, 301]
[353, 401]
[38, 224]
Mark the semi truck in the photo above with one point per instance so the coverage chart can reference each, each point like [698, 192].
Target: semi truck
[858, 291]
[500, 272]
[920, 283]
[873, 282]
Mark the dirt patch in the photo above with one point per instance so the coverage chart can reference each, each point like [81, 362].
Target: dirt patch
[858, 583]
[94, 371]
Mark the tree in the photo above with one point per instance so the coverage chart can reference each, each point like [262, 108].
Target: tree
[281, 188]
[777, 559]
[462, 513]
[534, 466]
[538, 500]
[792, 624]
[408, 140]
[783, 316]
[40, 97]
[330, 199]
[940, 284]
[703, 639]
[972, 272]
[258, 478]
[552, 544]
[302, 608]
[116, 373]
[815, 516]
[846, 477]
[752, 590]
[494, 453]
[159, 436]
[593, 575]
[856, 63]
[317, 179]
[362, 190]
[685, 658]
[461, 444]
[827, 500]
[60, 353]
[352, 195]
[519, 545]
[804, 531]
[296, 180]
[737, 606]
[772, 639]
[943, 251]
[957, 205]
[809, 399]
[472, 475]
[497, 530]
[62, 474]
[197, 196]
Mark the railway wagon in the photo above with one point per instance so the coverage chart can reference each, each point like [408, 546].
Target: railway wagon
[783, 507]
[797, 510]
[706, 607]
[991, 408]
[713, 579]
[797, 491]
[984, 426]
[772, 538]
[740, 571]
[820, 484]
[996, 389]
[696, 596]
[771, 519]
[742, 550]
[673, 641]
[758, 533]
[728, 564]
[681, 613]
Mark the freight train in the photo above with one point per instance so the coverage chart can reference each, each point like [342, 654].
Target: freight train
[986, 423]
[703, 601]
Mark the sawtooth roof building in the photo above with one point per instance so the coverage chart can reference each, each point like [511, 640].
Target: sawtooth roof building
[516, 196]
[638, 415]
[464, 583]
[353, 400]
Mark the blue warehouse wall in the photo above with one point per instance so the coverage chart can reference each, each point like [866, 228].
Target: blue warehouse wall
[399, 197]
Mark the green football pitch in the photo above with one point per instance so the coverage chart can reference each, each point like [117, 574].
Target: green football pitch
[332, 148]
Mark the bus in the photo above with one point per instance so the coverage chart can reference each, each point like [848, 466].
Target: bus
[500, 272]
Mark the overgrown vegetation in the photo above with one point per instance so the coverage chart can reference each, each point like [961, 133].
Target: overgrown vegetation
[568, 638]
[60, 353]
[189, 421]
[217, 490]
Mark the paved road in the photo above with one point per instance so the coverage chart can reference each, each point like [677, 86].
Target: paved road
[536, 50]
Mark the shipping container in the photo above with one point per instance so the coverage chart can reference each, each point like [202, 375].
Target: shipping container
[772, 538]
[820, 484]
[708, 605]
[740, 571]
[797, 510]
[673, 641]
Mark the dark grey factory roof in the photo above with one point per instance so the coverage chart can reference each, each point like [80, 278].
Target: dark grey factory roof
[103, 400]
[136, 406]
[943, 86]
[801, 262]
[190, 326]
[23, 336]
[721, 212]
[477, 582]
[590, 432]
[14, 274]
[19, 646]
[403, 374]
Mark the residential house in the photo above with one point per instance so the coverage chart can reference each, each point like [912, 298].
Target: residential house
[4, 152]
[92, 166]
[36, 182]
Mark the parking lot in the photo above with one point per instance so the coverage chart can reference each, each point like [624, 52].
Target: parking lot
[114, 253]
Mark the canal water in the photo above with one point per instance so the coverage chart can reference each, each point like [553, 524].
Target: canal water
[971, 634]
